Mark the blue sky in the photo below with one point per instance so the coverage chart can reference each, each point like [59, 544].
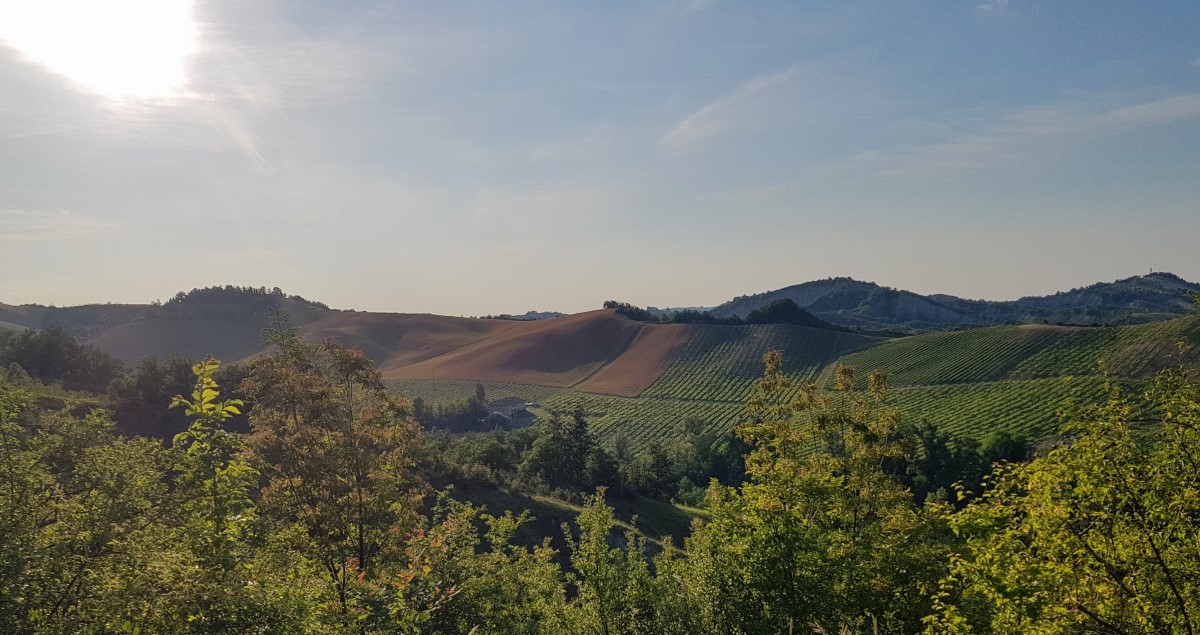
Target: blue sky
[469, 158]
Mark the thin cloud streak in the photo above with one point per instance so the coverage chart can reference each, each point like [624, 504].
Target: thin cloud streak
[1012, 137]
[713, 118]
[699, 6]
[46, 226]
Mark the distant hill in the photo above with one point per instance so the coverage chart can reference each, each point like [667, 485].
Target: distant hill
[528, 315]
[639, 380]
[596, 351]
[859, 304]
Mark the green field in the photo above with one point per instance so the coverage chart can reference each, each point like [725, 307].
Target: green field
[1027, 352]
[721, 363]
[1127, 351]
[1020, 407]
[987, 354]
[974, 382]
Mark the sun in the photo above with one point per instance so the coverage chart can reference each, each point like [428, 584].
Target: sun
[120, 49]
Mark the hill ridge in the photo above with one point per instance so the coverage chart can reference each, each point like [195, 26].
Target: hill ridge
[856, 303]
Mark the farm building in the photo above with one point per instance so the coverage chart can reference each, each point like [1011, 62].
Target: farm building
[508, 406]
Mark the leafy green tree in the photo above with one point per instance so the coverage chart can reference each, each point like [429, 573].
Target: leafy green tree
[1003, 446]
[213, 466]
[141, 398]
[561, 452]
[653, 474]
[820, 532]
[941, 460]
[615, 590]
[337, 453]
[1097, 536]
[786, 311]
[452, 581]
[22, 481]
[52, 355]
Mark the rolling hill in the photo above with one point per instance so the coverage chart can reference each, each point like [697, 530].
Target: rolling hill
[642, 380]
[974, 382]
[854, 303]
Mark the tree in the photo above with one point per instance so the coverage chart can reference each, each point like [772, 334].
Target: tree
[212, 465]
[653, 474]
[561, 451]
[1097, 536]
[614, 587]
[337, 452]
[786, 311]
[821, 532]
[52, 355]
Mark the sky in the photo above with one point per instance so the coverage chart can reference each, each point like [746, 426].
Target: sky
[471, 158]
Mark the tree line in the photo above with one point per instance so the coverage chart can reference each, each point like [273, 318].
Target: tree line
[784, 311]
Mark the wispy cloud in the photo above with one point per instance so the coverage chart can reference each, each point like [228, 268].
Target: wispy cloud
[994, 6]
[718, 115]
[698, 6]
[1017, 135]
[51, 225]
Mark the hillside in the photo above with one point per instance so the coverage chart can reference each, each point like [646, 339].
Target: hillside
[1015, 378]
[974, 382]
[854, 303]
[708, 378]
[596, 351]
[641, 380]
[1030, 352]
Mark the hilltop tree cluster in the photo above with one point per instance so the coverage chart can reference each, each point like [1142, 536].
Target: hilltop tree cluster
[323, 518]
[784, 311]
[235, 294]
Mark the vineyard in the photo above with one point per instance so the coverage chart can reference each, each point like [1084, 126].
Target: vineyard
[1010, 378]
[643, 421]
[1127, 351]
[721, 363]
[640, 420]
[977, 355]
[1019, 407]
[1026, 352]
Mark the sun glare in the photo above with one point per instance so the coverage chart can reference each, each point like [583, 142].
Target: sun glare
[120, 49]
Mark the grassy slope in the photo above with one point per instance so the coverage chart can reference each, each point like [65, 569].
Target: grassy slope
[1026, 352]
[1016, 378]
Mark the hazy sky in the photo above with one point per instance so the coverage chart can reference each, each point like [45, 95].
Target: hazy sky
[465, 159]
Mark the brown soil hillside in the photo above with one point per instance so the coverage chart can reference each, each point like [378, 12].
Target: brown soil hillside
[227, 340]
[596, 351]
[647, 358]
[566, 351]
[395, 340]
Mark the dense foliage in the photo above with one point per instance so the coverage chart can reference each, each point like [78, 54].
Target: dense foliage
[52, 355]
[324, 519]
[236, 295]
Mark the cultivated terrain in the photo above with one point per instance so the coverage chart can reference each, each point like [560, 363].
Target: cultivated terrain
[640, 380]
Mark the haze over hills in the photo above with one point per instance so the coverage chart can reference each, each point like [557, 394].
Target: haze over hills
[227, 322]
[854, 303]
